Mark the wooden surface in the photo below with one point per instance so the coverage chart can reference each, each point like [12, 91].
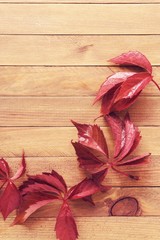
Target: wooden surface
[53, 57]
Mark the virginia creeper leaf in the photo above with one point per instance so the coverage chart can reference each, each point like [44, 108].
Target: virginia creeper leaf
[10, 197]
[66, 228]
[122, 89]
[45, 188]
[133, 58]
[126, 137]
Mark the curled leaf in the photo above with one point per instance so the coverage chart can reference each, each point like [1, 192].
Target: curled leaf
[133, 58]
[121, 90]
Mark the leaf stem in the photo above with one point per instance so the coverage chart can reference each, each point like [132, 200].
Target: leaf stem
[125, 174]
[156, 84]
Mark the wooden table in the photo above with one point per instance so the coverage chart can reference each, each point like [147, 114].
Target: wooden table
[53, 57]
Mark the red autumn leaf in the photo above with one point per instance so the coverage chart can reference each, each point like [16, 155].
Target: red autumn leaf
[10, 197]
[133, 58]
[114, 81]
[45, 188]
[126, 137]
[83, 189]
[130, 90]
[91, 147]
[130, 138]
[121, 90]
[21, 169]
[66, 228]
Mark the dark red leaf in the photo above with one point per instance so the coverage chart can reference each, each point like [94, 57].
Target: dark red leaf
[21, 169]
[131, 138]
[111, 82]
[133, 58]
[30, 204]
[83, 189]
[10, 196]
[92, 136]
[9, 199]
[66, 228]
[88, 158]
[4, 169]
[32, 185]
[122, 89]
[44, 188]
[130, 90]
[135, 161]
[52, 179]
[118, 131]
[91, 147]
[108, 100]
[98, 178]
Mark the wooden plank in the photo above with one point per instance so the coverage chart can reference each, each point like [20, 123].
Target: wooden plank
[79, 19]
[73, 50]
[146, 203]
[89, 228]
[149, 173]
[55, 141]
[57, 111]
[60, 81]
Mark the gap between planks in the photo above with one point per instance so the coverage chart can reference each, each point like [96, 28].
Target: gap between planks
[50, 81]
[55, 141]
[149, 173]
[80, 2]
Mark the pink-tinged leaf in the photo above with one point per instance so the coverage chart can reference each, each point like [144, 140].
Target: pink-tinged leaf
[30, 204]
[136, 140]
[108, 100]
[89, 159]
[133, 58]
[92, 137]
[136, 161]
[53, 179]
[85, 188]
[130, 138]
[111, 82]
[66, 228]
[133, 86]
[98, 179]
[21, 169]
[124, 104]
[117, 127]
[4, 169]
[9, 199]
[32, 186]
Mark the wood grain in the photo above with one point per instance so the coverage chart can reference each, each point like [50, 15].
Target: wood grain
[114, 227]
[73, 50]
[147, 201]
[149, 173]
[57, 111]
[55, 141]
[61, 81]
[79, 19]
